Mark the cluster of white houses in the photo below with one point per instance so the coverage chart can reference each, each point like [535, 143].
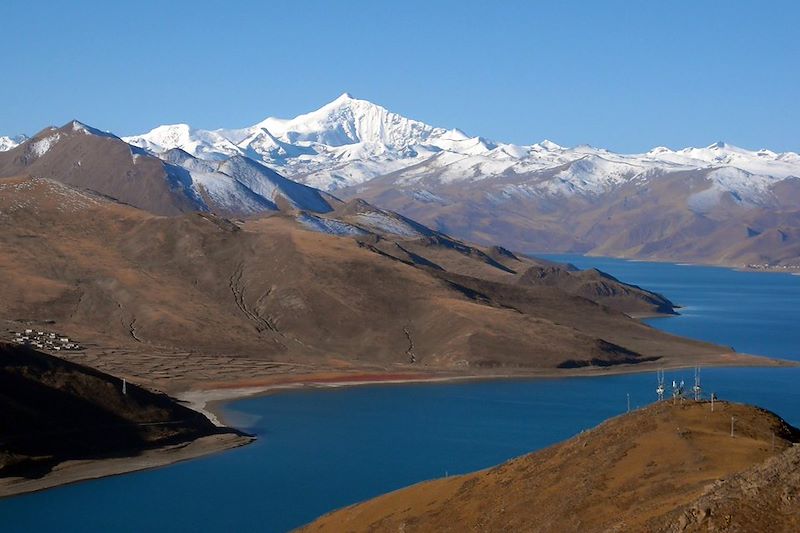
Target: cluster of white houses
[45, 340]
[768, 266]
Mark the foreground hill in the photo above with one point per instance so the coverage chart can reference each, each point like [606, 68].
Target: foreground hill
[762, 498]
[282, 288]
[52, 411]
[663, 468]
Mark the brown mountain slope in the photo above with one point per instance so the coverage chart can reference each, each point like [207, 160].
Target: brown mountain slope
[52, 411]
[174, 183]
[86, 158]
[631, 473]
[599, 287]
[412, 242]
[120, 278]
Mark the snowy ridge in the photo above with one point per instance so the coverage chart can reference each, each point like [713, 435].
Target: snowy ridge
[211, 189]
[386, 223]
[271, 185]
[7, 143]
[349, 142]
[328, 225]
[239, 185]
[742, 187]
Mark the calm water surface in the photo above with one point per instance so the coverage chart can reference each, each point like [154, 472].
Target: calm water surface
[754, 312]
[322, 449]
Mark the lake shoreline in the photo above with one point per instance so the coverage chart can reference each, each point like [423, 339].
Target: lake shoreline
[211, 399]
[738, 267]
[77, 471]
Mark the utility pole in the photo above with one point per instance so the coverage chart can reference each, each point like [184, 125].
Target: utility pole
[124, 387]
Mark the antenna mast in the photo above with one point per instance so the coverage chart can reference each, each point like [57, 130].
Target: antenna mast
[677, 390]
[698, 391]
[660, 390]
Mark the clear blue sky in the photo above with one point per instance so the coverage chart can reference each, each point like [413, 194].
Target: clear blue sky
[626, 75]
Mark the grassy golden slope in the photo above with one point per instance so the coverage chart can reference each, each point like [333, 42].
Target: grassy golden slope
[636, 472]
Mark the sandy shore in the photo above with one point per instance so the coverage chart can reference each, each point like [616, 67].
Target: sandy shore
[209, 398]
[75, 471]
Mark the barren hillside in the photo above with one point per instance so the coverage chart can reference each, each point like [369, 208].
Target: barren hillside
[272, 289]
[637, 472]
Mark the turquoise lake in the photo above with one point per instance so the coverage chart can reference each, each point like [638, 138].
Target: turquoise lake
[322, 449]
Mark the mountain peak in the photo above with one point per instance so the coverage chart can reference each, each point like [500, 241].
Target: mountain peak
[79, 127]
[343, 101]
[166, 128]
[659, 150]
[550, 145]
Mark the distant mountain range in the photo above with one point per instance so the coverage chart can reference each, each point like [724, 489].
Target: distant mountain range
[350, 141]
[718, 204]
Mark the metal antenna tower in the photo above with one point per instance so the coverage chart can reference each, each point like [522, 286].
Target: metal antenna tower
[677, 390]
[698, 391]
[660, 390]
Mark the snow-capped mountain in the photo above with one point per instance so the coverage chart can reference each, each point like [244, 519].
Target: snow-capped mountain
[7, 143]
[346, 142]
[349, 142]
[720, 203]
